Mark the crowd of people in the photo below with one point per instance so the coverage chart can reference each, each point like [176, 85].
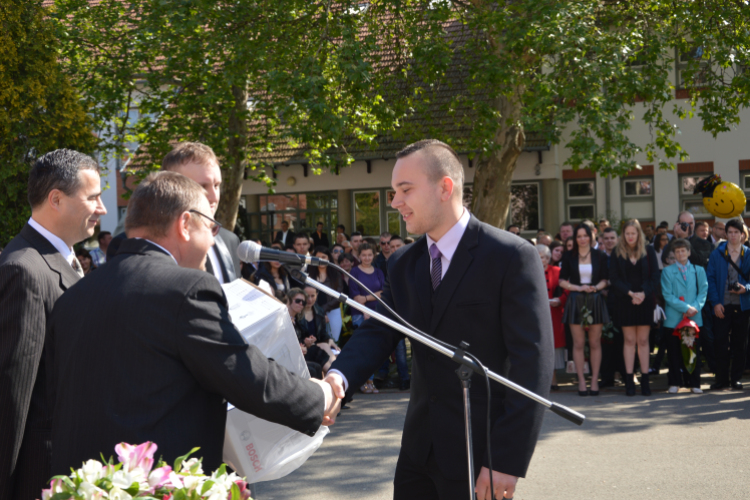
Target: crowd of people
[318, 319]
[617, 298]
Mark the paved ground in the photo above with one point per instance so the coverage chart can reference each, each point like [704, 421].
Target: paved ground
[663, 447]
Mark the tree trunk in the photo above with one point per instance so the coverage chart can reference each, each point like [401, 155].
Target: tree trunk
[494, 174]
[233, 171]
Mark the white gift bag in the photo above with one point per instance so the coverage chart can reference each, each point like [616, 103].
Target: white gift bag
[255, 448]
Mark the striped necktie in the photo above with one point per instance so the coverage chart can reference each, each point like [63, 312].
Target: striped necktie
[437, 266]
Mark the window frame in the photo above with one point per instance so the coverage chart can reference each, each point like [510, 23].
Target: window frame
[579, 201]
[624, 198]
[540, 206]
[689, 198]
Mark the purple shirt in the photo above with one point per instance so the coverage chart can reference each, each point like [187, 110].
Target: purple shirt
[372, 281]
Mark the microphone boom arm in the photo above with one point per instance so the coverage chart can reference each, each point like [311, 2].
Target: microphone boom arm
[561, 410]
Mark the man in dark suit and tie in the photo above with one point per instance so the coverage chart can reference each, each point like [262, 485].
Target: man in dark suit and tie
[171, 357]
[320, 238]
[463, 281]
[285, 236]
[198, 162]
[36, 267]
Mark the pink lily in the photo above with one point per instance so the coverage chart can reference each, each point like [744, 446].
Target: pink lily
[133, 456]
[159, 476]
[244, 492]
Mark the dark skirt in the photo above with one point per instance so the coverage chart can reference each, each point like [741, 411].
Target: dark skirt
[625, 313]
[594, 302]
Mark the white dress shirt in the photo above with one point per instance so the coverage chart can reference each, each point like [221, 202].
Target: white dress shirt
[447, 245]
[57, 242]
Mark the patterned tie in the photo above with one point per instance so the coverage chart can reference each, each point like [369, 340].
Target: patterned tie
[437, 266]
[77, 266]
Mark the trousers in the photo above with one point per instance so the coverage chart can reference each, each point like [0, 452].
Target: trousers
[730, 343]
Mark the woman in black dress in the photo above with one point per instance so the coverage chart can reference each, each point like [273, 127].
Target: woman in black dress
[634, 277]
[584, 273]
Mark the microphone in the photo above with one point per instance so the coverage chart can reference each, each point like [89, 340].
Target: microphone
[251, 252]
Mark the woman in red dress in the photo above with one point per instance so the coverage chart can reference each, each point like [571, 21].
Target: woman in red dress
[557, 298]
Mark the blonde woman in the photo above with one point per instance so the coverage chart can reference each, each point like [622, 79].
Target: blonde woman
[634, 277]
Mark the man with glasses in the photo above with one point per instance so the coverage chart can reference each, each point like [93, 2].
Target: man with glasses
[385, 252]
[171, 358]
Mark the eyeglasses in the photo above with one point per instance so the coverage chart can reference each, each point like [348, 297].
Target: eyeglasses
[299, 301]
[214, 227]
[384, 242]
[337, 250]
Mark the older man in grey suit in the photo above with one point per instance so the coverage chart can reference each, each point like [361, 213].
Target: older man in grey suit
[36, 267]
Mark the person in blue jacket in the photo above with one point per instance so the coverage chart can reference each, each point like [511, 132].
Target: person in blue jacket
[728, 287]
[684, 288]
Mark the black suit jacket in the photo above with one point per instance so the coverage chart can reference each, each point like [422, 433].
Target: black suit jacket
[493, 296]
[33, 275]
[599, 267]
[319, 241]
[650, 274]
[153, 357]
[289, 238]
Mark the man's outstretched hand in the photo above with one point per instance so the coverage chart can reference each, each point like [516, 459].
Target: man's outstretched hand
[333, 403]
[505, 485]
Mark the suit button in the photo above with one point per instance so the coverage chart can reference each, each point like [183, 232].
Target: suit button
[433, 399]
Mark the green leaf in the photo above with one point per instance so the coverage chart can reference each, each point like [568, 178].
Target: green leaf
[179, 460]
[236, 495]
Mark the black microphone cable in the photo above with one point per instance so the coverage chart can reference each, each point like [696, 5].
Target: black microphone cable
[447, 346]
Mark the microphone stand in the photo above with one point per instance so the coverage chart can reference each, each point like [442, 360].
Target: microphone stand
[466, 369]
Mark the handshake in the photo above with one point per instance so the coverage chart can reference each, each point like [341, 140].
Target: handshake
[333, 388]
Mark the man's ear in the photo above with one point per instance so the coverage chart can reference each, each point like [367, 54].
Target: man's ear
[182, 226]
[54, 198]
[447, 187]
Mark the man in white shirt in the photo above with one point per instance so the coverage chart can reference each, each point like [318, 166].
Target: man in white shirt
[36, 268]
[718, 233]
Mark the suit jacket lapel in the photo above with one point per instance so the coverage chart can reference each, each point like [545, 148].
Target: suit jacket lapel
[459, 264]
[224, 258]
[55, 261]
[422, 281]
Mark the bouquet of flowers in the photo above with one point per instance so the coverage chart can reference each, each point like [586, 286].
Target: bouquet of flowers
[687, 330]
[135, 477]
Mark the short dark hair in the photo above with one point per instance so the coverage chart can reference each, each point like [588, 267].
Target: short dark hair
[102, 234]
[566, 223]
[609, 229]
[701, 223]
[160, 199]
[185, 152]
[664, 224]
[347, 256]
[356, 233]
[298, 236]
[319, 224]
[58, 169]
[680, 243]
[442, 161]
[366, 246]
[385, 234]
[512, 226]
[341, 226]
[285, 222]
[735, 223]
[396, 237]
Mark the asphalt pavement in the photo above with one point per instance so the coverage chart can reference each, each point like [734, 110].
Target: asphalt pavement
[682, 446]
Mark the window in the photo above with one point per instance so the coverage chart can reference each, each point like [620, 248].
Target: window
[745, 185]
[638, 198]
[371, 217]
[525, 206]
[302, 211]
[580, 200]
[688, 60]
[690, 202]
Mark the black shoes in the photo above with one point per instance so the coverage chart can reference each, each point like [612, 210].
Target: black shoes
[593, 393]
[645, 387]
[737, 386]
[717, 386]
[583, 393]
[629, 385]
[405, 385]
[554, 388]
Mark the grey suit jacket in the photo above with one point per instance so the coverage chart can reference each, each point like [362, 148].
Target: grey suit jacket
[225, 244]
[33, 275]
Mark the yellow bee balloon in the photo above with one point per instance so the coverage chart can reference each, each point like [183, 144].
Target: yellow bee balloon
[722, 199]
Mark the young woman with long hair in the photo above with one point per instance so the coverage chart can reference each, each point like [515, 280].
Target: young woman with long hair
[584, 274]
[634, 278]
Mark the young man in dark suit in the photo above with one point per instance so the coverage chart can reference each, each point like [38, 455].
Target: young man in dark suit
[463, 281]
[171, 357]
[285, 236]
[36, 267]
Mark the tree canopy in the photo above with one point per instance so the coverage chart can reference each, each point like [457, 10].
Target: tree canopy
[39, 109]
[323, 78]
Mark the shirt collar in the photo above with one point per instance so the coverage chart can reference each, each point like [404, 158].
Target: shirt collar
[450, 240]
[161, 248]
[57, 242]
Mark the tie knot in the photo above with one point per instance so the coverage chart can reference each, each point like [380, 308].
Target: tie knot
[434, 251]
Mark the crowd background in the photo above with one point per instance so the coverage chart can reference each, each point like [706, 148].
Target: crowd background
[620, 298]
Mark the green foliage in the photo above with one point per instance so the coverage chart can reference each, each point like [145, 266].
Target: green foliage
[39, 110]
[325, 78]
